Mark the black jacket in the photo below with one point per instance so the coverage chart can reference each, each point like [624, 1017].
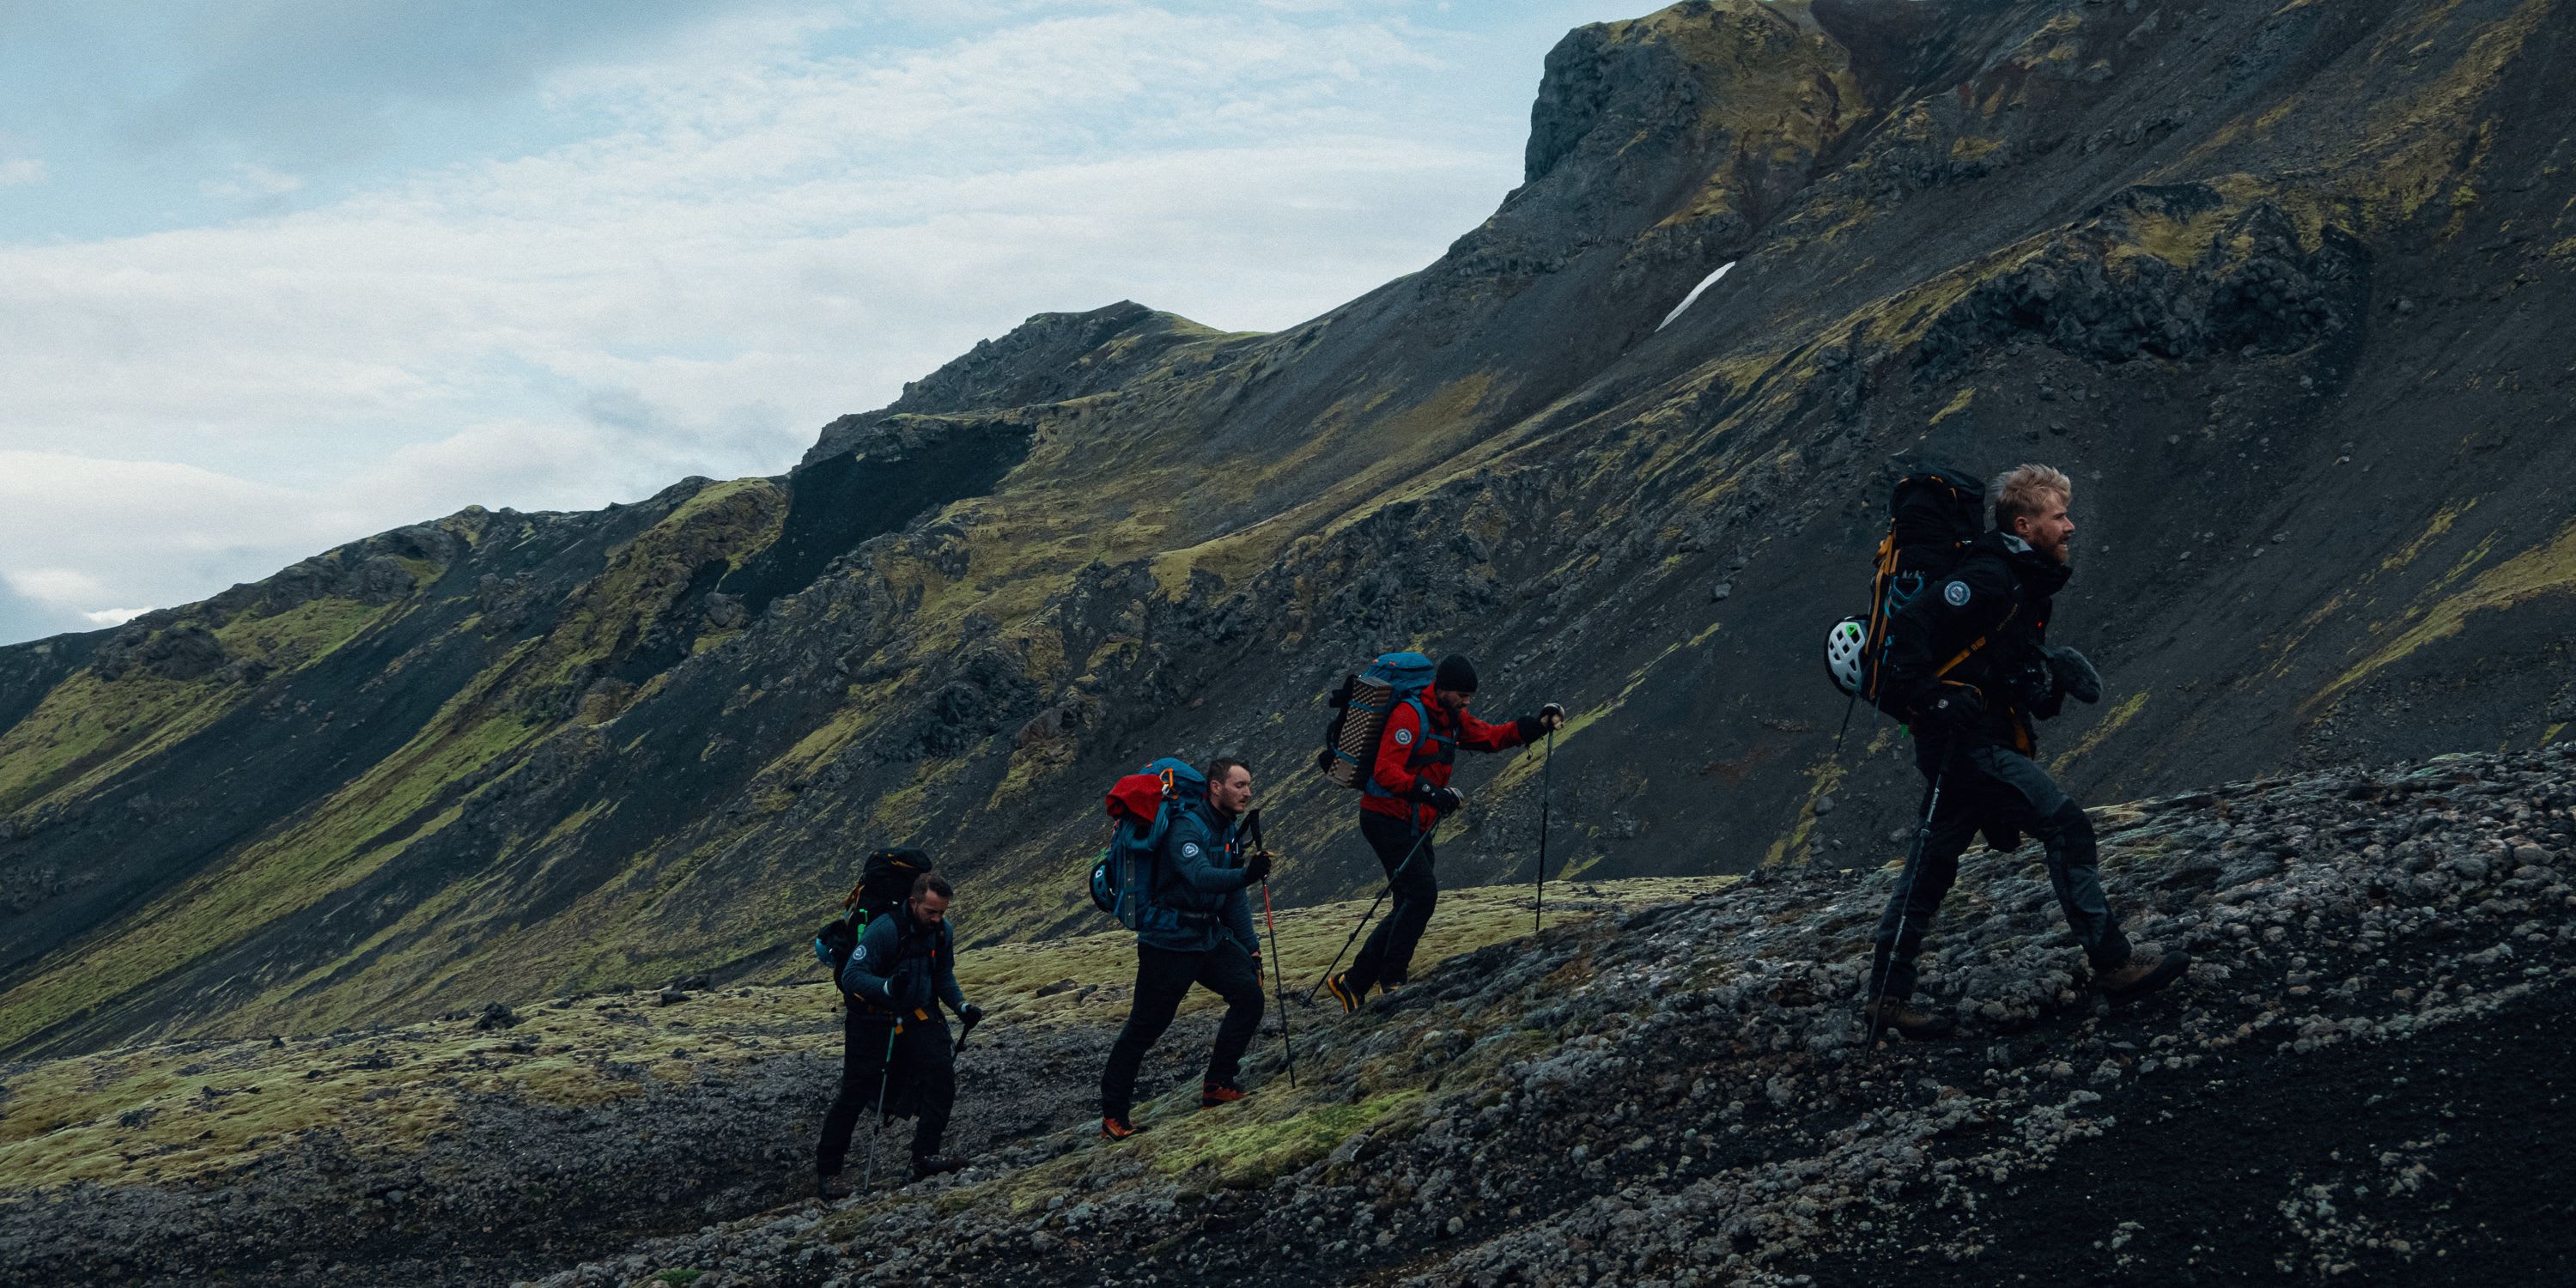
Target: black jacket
[901, 966]
[1199, 883]
[1984, 625]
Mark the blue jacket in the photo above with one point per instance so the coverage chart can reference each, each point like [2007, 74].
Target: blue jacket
[1198, 893]
[899, 967]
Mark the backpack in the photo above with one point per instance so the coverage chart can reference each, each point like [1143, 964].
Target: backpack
[1932, 515]
[885, 882]
[1140, 810]
[1360, 708]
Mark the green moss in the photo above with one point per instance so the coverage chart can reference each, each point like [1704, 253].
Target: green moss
[347, 837]
[301, 635]
[2546, 569]
[647, 577]
[2112, 722]
[1247, 1149]
[89, 729]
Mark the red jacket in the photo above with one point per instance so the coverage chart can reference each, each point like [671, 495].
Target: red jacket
[1406, 756]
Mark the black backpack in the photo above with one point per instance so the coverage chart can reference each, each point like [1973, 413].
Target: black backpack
[885, 883]
[1932, 515]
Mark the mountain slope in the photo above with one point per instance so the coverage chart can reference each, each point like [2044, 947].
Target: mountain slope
[2280, 286]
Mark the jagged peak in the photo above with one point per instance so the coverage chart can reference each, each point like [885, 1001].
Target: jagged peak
[1659, 68]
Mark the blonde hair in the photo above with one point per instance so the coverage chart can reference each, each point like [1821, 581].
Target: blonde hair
[2024, 491]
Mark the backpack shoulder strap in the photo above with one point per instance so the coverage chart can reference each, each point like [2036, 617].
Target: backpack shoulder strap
[1977, 644]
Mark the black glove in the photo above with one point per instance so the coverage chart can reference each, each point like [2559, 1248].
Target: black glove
[2074, 676]
[1439, 798]
[971, 1014]
[909, 988]
[1257, 866]
[1955, 708]
[1552, 716]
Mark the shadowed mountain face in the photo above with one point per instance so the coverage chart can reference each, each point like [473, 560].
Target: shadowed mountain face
[2283, 287]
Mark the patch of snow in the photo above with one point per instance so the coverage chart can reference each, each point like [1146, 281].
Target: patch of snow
[1687, 300]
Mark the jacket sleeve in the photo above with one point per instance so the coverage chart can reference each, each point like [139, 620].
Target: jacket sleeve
[1390, 773]
[947, 984]
[1192, 851]
[1950, 613]
[872, 964]
[1476, 735]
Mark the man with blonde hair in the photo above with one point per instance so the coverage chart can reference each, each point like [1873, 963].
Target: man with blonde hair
[1970, 664]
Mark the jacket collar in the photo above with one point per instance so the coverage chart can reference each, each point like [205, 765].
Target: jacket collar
[2037, 573]
[1431, 707]
[1218, 823]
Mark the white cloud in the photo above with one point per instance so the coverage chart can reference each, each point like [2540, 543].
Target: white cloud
[21, 170]
[251, 182]
[113, 616]
[59, 586]
[756, 238]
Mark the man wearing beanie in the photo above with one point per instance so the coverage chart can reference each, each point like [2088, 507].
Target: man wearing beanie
[1407, 793]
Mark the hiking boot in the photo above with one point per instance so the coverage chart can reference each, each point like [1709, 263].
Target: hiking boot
[936, 1165]
[2149, 968]
[1907, 1020]
[831, 1189]
[1339, 987]
[1118, 1129]
[1212, 1094]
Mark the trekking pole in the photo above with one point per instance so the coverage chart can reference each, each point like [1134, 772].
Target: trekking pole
[1545, 781]
[876, 1125]
[1905, 899]
[1278, 981]
[1372, 911]
[1848, 705]
[1282, 981]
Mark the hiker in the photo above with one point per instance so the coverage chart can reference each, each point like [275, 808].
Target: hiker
[1402, 801]
[1197, 930]
[1968, 661]
[895, 1048]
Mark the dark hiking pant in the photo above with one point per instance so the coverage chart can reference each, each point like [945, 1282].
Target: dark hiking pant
[1163, 978]
[1387, 957]
[924, 1083]
[1997, 791]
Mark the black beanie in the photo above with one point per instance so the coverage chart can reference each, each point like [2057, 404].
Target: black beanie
[1456, 675]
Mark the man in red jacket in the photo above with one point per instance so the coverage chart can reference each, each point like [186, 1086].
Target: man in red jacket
[1407, 792]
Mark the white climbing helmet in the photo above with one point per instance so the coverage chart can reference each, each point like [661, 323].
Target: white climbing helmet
[1845, 645]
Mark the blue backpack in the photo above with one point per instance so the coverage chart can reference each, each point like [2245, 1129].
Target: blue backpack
[1361, 707]
[1140, 810]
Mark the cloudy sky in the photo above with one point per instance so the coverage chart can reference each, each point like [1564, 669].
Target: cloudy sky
[277, 274]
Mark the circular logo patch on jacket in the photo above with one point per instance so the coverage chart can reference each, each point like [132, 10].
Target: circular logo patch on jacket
[1404, 737]
[1957, 593]
[859, 954]
[1189, 849]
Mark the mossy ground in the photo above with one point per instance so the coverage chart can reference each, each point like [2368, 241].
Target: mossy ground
[174, 1114]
